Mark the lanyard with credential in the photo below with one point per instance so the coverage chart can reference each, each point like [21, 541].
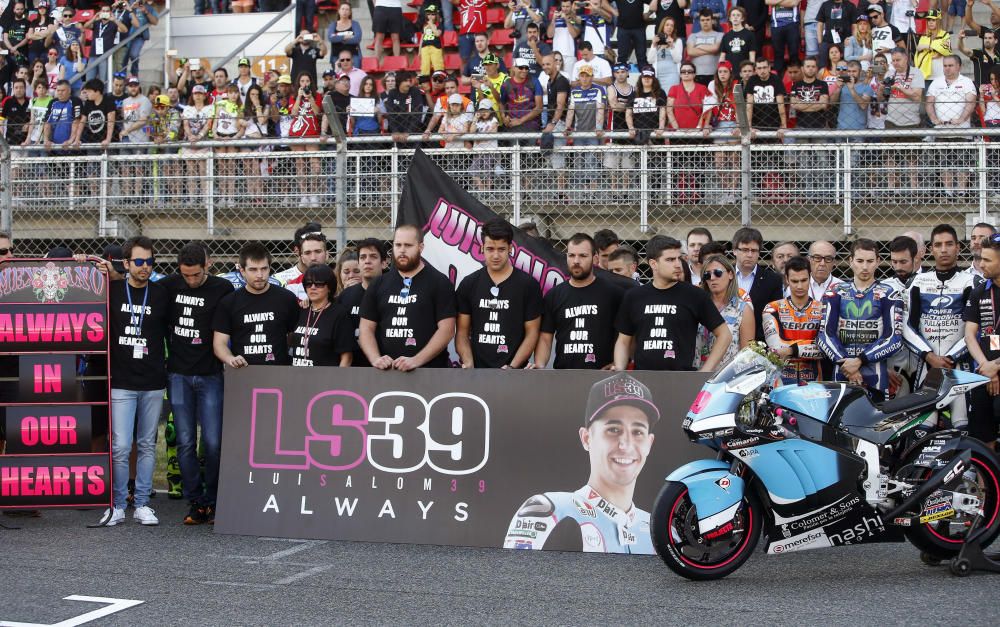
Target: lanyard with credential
[145, 296]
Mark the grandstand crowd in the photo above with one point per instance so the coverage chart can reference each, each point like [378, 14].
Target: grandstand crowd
[383, 306]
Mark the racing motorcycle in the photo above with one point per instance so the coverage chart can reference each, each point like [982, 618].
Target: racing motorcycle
[821, 465]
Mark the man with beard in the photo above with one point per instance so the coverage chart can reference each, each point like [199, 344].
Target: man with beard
[980, 233]
[600, 517]
[579, 314]
[309, 246]
[371, 261]
[15, 109]
[408, 314]
[903, 365]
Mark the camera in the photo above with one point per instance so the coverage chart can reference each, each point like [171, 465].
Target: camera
[920, 15]
[846, 78]
[887, 87]
[971, 32]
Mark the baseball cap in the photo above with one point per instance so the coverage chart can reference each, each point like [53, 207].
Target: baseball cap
[455, 99]
[243, 61]
[620, 66]
[489, 57]
[521, 62]
[199, 89]
[439, 73]
[163, 99]
[585, 69]
[862, 18]
[431, 8]
[875, 8]
[621, 389]
[329, 72]
[116, 255]
[934, 15]
[726, 64]
[42, 3]
[647, 70]
[284, 79]
[132, 80]
[485, 104]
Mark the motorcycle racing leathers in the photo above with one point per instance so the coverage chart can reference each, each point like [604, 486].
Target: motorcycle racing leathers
[599, 526]
[787, 325]
[865, 324]
[904, 363]
[934, 305]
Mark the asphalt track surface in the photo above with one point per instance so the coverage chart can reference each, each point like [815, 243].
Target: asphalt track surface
[193, 576]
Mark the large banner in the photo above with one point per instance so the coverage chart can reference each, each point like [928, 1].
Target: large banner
[569, 460]
[53, 384]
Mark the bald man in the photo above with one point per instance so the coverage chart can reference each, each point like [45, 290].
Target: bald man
[822, 259]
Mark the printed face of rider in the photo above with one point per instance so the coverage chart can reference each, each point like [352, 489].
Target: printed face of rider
[618, 441]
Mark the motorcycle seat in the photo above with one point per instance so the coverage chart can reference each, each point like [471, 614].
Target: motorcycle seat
[921, 398]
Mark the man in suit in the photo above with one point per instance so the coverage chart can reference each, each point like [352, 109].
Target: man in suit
[760, 283]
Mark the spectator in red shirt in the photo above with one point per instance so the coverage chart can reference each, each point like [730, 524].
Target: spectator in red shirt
[473, 20]
[306, 113]
[685, 100]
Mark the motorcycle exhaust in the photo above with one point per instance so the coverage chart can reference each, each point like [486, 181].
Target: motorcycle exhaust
[954, 469]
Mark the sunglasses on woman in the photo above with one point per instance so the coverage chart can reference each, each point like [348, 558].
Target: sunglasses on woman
[310, 284]
[708, 274]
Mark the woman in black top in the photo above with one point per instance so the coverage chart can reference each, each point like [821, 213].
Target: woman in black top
[324, 335]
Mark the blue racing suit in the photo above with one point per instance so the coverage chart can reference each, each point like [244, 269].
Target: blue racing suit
[603, 528]
[865, 324]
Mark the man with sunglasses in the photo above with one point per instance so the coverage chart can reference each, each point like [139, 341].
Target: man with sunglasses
[982, 336]
[499, 307]
[65, 33]
[139, 313]
[408, 313]
[6, 246]
[345, 67]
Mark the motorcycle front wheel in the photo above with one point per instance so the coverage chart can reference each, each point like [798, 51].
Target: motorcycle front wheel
[943, 538]
[717, 553]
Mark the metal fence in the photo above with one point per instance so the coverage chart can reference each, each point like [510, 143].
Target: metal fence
[826, 185]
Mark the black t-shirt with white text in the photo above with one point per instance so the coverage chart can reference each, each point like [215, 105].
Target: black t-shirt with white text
[95, 120]
[258, 324]
[321, 337]
[981, 308]
[810, 93]
[138, 331]
[190, 328]
[664, 324]
[498, 313]
[765, 97]
[407, 317]
[582, 321]
[351, 299]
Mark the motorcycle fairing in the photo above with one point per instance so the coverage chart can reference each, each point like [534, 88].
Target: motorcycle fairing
[792, 470]
[816, 400]
[714, 491]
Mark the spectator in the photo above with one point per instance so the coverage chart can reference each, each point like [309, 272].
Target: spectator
[810, 101]
[491, 82]
[15, 36]
[66, 32]
[878, 108]
[717, 7]
[387, 19]
[324, 335]
[474, 66]
[39, 31]
[193, 74]
[835, 64]
[499, 307]
[697, 237]
[484, 161]
[759, 283]
[809, 19]
[371, 260]
[586, 113]
[521, 14]
[37, 72]
[305, 14]
[54, 69]
[685, 101]
[345, 67]
[306, 112]
[822, 258]
[73, 64]
[836, 22]
[780, 255]
[951, 100]
[531, 48]
[521, 101]
[983, 59]
[932, 47]
[585, 302]
[228, 126]
[408, 313]
[620, 96]
[606, 242]
[737, 44]
[61, 120]
[344, 34]
[405, 108]
[557, 91]
[668, 50]
[884, 36]
[348, 270]
[596, 25]
[720, 115]
[194, 377]
[243, 80]
[757, 19]
[251, 325]
[624, 262]
[599, 67]
[16, 110]
[139, 311]
[970, 20]
[140, 13]
[765, 96]
[305, 50]
[455, 121]
[196, 120]
[648, 113]
[786, 24]
[851, 99]
[703, 48]
[97, 125]
[431, 54]
[473, 23]
[256, 113]
[631, 32]
[564, 27]
[39, 116]
[339, 91]
[903, 88]
[441, 105]
[719, 281]
[658, 322]
[106, 28]
[860, 46]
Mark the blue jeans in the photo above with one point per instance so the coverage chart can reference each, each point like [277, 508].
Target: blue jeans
[134, 414]
[466, 46]
[447, 11]
[197, 400]
[132, 56]
[812, 41]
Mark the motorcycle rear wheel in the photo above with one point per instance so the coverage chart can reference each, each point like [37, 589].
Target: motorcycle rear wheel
[940, 538]
[674, 528]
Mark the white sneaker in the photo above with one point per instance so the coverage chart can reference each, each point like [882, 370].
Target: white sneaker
[145, 516]
[112, 517]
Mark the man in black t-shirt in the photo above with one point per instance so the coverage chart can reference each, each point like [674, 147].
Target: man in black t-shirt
[657, 322]
[738, 45]
[632, 32]
[579, 314]
[835, 22]
[499, 307]
[811, 102]
[372, 261]
[765, 98]
[982, 336]
[137, 325]
[106, 28]
[408, 313]
[15, 35]
[252, 324]
[195, 376]
[15, 110]
[303, 52]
